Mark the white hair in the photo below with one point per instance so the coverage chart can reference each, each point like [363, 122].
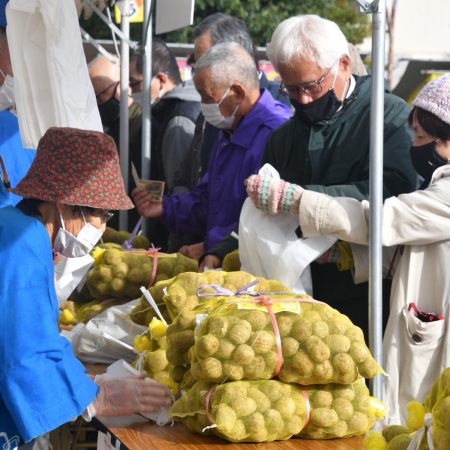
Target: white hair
[309, 38]
[229, 62]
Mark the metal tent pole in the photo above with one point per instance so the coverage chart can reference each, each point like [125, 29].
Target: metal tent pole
[378, 10]
[376, 189]
[146, 149]
[124, 124]
[146, 107]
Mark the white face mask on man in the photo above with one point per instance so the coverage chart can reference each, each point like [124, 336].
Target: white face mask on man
[6, 92]
[75, 259]
[213, 115]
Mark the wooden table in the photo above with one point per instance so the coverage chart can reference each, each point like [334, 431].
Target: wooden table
[152, 437]
[149, 436]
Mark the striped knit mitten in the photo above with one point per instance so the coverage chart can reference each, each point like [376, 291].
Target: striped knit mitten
[273, 195]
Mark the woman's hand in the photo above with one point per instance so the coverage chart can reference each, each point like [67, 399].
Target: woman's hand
[273, 195]
[145, 206]
[124, 396]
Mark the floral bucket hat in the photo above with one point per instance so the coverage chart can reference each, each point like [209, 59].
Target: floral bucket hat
[76, 167]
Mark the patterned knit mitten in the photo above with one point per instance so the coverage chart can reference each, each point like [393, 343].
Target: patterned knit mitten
[273, 195]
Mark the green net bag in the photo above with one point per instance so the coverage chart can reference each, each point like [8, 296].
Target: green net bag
[119, 273]
[339, 411]
[243, 411]
[297, 339]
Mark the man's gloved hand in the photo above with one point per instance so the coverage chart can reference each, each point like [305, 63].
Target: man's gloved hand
[273, 195]
[124, 396]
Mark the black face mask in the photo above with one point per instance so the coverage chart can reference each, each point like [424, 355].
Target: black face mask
[109, 111]
[323, 108]
[426, 160]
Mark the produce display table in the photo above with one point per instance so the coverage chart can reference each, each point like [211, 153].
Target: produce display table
[152, 437]
[149, 436]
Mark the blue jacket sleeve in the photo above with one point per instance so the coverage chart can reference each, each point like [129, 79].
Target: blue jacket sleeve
[42, 384]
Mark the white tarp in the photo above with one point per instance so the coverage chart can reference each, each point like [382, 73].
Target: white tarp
[51, 80]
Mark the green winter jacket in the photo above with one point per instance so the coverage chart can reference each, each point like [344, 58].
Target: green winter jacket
[333, 156]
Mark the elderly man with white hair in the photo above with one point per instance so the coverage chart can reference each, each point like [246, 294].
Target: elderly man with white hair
[227, 79]
[325, 146]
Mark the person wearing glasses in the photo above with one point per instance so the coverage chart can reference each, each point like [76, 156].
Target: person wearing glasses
[416, 227]
[325, 146]
[68, 195]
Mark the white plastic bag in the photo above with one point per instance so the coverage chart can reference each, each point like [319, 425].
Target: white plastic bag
[69, 273]
[107, 337]
[269, 246]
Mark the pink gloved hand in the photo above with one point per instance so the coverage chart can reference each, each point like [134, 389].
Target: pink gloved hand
[273, 195]
[124, 396]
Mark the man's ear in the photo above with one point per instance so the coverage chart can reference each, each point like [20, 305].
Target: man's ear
[163, 79]
[239, 91]
[345, 62]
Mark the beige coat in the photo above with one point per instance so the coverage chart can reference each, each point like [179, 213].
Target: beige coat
[414, 352]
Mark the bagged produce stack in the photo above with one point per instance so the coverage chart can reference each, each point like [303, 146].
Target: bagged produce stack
[242, 347]
[116, 278]
[268, 410]
[317, 345]
[252, 411]
[187, 295]
[119, 273]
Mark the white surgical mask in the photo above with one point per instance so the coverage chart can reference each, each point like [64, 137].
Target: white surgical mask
[212, 114]
[6, 92]
[76, 260]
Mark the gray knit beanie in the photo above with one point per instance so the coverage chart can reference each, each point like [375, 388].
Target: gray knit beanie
[435, 98]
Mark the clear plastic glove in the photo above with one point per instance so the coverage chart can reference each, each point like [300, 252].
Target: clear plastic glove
[272, 195]
[84, 8]
[124, 396]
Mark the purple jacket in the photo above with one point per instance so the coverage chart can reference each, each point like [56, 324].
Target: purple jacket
[213, 207]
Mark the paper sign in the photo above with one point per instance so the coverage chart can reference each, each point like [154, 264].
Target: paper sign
[135, 11]
[154, 187]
